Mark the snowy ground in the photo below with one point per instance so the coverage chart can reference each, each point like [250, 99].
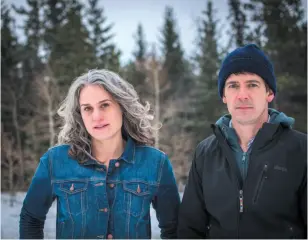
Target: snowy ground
[10, 219]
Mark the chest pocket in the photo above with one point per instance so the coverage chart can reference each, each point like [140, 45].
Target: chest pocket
[137, 195]
[74, 196]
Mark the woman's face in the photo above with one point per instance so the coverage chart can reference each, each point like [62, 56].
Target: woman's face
[101, 114]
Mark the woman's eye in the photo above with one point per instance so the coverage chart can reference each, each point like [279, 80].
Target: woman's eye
[105, 105]
[87, 109]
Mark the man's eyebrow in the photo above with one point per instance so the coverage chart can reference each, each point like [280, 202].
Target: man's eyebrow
[231, 82]
[102, 101]
[253, 81]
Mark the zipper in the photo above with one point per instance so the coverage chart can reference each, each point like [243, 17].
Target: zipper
[208, 229]
[291, 232]
[241, 199]
[241, 210]
[238, 177]
[261, 182]
[243, 163]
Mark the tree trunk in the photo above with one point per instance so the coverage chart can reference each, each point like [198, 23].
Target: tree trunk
[21, 174]
[157, 104]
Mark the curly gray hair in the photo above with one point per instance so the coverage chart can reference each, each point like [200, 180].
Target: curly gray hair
[136, 117]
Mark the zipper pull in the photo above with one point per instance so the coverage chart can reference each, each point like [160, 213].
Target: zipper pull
[244, 157]
[241, 201]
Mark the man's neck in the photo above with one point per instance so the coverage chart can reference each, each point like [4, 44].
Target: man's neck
[247, 132]
[104, 151]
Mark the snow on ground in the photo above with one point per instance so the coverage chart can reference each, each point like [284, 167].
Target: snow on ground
[10, 219]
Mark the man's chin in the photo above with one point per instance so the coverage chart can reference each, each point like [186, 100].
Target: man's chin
[246, 120]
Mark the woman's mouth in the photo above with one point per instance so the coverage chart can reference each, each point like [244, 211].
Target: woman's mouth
[98, 127]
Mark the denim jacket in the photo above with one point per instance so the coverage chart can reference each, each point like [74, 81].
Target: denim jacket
[93, 202]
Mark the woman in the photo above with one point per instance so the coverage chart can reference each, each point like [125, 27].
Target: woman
[103, 173]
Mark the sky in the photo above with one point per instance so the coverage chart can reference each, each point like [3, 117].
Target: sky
[126, 14]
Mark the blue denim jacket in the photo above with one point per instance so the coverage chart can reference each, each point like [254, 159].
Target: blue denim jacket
[93, 202]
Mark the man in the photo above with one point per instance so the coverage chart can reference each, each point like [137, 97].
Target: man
[249, 179]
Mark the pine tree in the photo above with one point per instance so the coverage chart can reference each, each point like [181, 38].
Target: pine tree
[172, 53]
[284, 33]
[29, 58]
[135, 70]
[112, 58]
[9, 45]
[105, 51]
[71, 53]
[32, 31]
[238, 22]
[141, 44]
[12, 92]
[55, 12]
[208, 105]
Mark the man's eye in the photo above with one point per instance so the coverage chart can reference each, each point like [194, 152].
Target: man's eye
[233, 86]
[252, 85]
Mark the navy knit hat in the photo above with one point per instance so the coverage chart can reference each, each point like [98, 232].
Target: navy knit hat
[250, 59]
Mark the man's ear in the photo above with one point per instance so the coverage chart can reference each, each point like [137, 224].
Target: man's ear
[224, 99]
[270, 95]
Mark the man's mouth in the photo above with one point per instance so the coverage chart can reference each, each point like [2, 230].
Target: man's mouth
[244, 107]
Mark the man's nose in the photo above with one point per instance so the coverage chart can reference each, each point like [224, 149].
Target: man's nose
[242, 93]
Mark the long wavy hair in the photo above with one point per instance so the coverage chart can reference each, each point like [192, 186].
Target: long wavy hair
[136, 116]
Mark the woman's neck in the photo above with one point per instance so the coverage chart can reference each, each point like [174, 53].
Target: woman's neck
[104, 151]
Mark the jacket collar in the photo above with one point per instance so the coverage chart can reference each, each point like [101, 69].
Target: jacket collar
[128, 155]
[129, 152]
[265, 134]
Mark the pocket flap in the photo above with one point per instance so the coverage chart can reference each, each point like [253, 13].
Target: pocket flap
[72, 187]
[137, 188]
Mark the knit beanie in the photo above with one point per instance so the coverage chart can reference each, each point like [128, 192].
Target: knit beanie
[251, 59]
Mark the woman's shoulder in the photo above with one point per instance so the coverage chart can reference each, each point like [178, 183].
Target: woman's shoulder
[151, 158]
[150, 151]
[57, 152]
[61, 148]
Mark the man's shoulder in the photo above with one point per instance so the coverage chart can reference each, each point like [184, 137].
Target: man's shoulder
[294, 137]
[297, 139]
[299, 135]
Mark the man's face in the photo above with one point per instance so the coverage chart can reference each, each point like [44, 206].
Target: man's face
[247, 98]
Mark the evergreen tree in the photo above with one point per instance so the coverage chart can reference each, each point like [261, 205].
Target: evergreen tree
[71, 54]
[135, 70]
[29, 57]
[32, 31]
[141, 45]
[12, 93]
[112, 58]
[284, 31]
[172, 53]
[208, 105]
[105, 51]
[9, 45]
[238, 22]
[55, 12]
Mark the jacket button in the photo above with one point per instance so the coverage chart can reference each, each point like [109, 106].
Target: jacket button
[103, 210]
[117, 164]
[109, 236]
[111, 185]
